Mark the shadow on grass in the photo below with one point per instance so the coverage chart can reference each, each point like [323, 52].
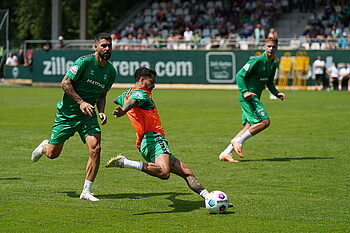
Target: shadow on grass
[284, 159]
[10, 178]
[178, 205]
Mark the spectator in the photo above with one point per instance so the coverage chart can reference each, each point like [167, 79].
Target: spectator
[28, 59]
[188, 36]
[11, 60]
[259, 34]
[344, 75]
[319, 66]
[343, 41]
[273, 33]
[47, 46]
[295, 42]
[21, 57]
[60, 44]
[333, 74]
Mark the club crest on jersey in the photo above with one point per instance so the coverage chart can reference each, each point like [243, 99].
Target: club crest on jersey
[105, 76]
[246, 67]
[138, 94]
[74, 69]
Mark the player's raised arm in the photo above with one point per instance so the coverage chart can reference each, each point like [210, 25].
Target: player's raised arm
[121, 111]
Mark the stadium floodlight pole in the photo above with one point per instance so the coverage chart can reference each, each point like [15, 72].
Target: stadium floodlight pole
[56, 19]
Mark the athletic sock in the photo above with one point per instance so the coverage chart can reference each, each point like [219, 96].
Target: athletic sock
[204, 193]
[243, 137]
[87, 186]
[133, 164]
[339, 87]
[228, 150]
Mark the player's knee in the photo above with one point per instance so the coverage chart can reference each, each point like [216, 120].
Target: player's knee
[52, 154]
[95, 152]
[164, 175]
[266, 123]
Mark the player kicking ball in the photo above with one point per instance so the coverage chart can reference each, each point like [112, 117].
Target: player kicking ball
[143, 115]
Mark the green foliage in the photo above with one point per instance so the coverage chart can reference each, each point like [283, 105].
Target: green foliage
[294, 177]
[31, 19]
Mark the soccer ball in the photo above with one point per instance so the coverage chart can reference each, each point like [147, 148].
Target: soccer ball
[216, 202]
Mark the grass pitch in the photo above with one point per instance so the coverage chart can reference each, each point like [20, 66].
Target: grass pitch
[294, 177]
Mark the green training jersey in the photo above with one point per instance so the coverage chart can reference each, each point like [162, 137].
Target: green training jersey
[90, 80]
[255, 74]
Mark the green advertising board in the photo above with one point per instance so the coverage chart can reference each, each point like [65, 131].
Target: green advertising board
[173, 67]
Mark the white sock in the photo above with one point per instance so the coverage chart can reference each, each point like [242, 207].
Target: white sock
[204, 193]
[228, 150]
[87, 186]
[243, 137]
[339, 87]
[133, 164]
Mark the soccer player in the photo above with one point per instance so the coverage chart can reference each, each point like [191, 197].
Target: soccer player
[85, 85]
[257, 73]
[143, 115]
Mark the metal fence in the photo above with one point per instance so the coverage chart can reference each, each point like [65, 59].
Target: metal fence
[199, 44]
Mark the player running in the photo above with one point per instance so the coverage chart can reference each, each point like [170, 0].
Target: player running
[143, 115]
[257, 73]
[85, 85]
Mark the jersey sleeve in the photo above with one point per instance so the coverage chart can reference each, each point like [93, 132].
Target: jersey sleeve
[76, 70]
[140, 95]
[242, 74]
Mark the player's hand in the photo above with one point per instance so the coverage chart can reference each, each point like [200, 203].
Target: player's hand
[103, 118]
[281, 96]
[118, 112]
[248, 95]
[87, 108]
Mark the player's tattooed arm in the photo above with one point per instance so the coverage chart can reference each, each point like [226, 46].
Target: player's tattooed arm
[67, 86]
[121, 111]
[194, 184]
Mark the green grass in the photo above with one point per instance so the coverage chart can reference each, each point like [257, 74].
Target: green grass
[294, 177]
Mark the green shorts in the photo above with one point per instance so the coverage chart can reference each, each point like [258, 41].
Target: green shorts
[65, 127]
[252, 110]
[152, 145]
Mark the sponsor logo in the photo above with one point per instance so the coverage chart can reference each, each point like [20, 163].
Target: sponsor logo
[74, 69]
[138, 94]
[220, 67]
[56, 66]
[163, 69]
[92, 72]
[246, 67]
[93, 82]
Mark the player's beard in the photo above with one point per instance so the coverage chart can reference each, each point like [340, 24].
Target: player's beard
[105, 56]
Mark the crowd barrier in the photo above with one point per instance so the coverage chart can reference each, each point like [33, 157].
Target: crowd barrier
[178, 67]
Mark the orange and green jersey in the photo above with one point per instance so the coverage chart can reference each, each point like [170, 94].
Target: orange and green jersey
[144, 118]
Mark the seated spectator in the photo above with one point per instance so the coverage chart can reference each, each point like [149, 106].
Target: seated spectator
[11, 60]
[344, 77]
[343, 41]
